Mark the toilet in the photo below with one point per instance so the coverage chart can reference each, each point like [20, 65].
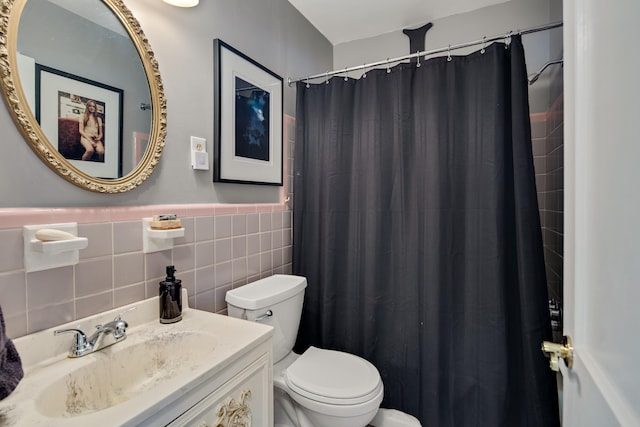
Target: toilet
[319, 388]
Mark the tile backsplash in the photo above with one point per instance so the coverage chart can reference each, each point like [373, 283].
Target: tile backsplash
[224, 246]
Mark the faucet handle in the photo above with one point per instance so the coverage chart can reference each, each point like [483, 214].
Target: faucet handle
[120, 328]
[120, 325]
[81, 339]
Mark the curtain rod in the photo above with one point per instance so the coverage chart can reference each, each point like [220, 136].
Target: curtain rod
[388, 61]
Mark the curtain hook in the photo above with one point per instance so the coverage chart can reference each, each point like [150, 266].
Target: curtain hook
[484, 45]
[327, 78]
[346, 77]
[388, 66]
[308, 85]
[507, 39]
[364, 67]
[449, 54]
[418, 65]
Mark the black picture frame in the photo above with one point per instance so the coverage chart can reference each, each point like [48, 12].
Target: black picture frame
[60, 102]
[248, 112]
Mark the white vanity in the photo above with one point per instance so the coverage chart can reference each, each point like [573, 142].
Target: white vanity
[206, 370]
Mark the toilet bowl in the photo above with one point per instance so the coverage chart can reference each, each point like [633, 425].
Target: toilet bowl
[393, 418]
[319, 388]
[333, 388]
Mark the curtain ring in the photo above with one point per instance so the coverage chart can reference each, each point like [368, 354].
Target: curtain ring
[418, 65]
[327, 78]
[449, 54]
[484, 45]
[388, 66]
[364, 67]
[346, 77]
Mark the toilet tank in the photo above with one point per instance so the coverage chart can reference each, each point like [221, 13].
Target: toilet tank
[282, 295]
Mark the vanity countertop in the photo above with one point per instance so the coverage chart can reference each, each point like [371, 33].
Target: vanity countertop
[168, 361]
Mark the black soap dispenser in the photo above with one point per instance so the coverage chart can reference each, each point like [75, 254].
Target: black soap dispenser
[170, 297]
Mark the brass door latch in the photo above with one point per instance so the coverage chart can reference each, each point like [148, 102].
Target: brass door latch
[556, 351]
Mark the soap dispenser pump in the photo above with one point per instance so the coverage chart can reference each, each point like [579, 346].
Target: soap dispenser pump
[170, 297]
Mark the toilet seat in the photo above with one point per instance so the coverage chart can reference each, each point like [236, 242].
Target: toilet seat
[333, 377]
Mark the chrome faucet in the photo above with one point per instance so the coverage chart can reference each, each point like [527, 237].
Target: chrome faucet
[83, 345]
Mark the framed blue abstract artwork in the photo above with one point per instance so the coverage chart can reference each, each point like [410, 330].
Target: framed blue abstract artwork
[247, 119]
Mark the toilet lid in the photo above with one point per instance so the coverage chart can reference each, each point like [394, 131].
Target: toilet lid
[333, 377]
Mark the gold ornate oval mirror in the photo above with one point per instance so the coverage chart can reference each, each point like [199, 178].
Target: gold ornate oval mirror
[83, 86]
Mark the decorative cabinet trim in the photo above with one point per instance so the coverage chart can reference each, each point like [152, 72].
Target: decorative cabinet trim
[235, 413]
[244, 400]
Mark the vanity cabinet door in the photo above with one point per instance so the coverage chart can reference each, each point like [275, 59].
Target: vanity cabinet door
[246, 400]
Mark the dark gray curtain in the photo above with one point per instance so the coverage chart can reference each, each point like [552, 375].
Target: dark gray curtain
[416, 224]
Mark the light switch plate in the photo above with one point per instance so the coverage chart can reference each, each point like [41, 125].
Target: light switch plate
[200, 160]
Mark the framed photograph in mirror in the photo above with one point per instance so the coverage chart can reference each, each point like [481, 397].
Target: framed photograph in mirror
[83, 120]
[247, 119]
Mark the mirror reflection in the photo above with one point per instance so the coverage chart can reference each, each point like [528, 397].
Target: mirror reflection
[85, 84]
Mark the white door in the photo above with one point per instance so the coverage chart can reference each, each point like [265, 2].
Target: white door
[602, 212]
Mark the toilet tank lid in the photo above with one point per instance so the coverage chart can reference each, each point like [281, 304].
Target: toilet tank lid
[265, 292]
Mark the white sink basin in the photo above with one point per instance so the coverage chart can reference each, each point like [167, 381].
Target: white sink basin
[125, 371]
[143, 380]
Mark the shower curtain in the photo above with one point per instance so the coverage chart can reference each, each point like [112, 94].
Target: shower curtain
[416, 224]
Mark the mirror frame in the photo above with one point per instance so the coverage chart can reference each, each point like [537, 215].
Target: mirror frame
[10, 13]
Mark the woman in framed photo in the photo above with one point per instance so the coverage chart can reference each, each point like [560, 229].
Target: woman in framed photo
[91, 132]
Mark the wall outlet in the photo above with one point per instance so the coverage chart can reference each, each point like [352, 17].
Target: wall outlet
[199, 155]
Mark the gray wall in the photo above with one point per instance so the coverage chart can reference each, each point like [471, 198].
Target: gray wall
[272, 32]
[456, 29]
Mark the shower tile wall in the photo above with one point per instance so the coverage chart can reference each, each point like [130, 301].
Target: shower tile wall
[224, 246]
[548, 148]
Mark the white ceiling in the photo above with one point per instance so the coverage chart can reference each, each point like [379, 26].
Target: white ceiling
[102, 16]
[341, 21]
